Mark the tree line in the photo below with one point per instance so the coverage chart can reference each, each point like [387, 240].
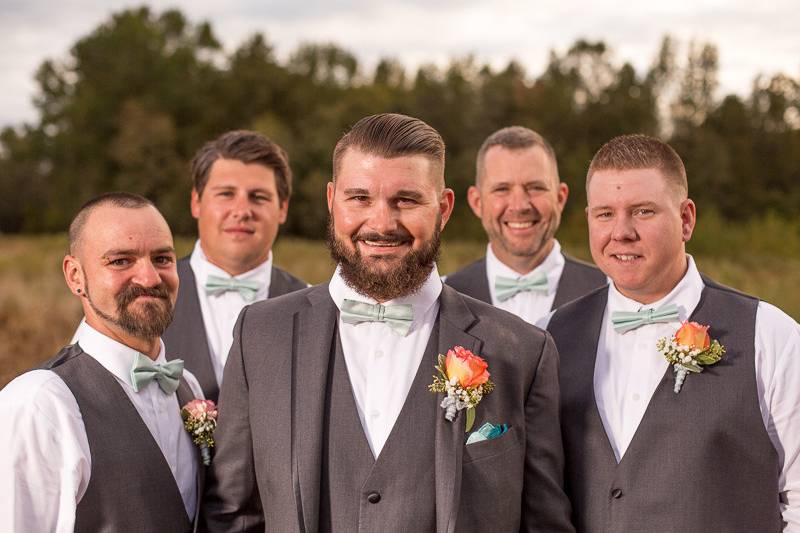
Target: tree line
[132, 101]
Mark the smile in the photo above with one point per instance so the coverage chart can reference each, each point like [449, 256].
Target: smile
[626, 258]
[520, 225]
[383, 244]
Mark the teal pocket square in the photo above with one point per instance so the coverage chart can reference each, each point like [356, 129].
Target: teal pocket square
[487, 432]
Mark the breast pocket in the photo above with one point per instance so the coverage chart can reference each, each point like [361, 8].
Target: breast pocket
[490, 448]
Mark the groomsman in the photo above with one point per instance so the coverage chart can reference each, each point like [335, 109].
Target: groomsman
[241, 183]
[721, 452]
[94, 440]
[326, 420]
[519, 198]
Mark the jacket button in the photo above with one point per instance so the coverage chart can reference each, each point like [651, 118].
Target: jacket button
[616, 494]
[374, 497]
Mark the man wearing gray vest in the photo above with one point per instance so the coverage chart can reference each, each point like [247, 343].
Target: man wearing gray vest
[519, 198]
[327, 423]
[661, 435]
[94, 440]
[241, 183]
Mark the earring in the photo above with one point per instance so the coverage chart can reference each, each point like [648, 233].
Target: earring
[78, 291]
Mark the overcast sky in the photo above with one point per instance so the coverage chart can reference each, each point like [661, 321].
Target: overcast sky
[753, 37]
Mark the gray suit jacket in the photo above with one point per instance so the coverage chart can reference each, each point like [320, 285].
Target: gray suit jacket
[186, 337]
[266, 471]
[577, 279]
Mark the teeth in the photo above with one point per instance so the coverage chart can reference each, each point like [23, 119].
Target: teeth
[519, 225]
[626, 257]
[381, 243]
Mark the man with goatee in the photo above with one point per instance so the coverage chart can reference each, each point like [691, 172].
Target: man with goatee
[327, 422]
[94, 441]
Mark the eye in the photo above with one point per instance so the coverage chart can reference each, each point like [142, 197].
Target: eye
[225, 194]
[603, 214]
[643, 211]
[261, 198]
[500, 189]
[163, 260]
[119, 262]
[406, 202]
[537, 187]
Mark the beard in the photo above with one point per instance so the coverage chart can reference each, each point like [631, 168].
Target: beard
[153, 319]
[533, 247]
[405, 279]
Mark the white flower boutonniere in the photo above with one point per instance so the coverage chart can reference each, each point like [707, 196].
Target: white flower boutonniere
[464, 378]
[689, 350]
[200, 420]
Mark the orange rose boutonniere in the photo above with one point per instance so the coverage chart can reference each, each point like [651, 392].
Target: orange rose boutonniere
[464, 379]
[689, 350]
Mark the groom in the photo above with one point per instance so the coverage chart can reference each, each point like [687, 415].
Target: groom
[326, 421]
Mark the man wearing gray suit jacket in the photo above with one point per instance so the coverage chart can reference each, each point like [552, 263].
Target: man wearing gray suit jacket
[326, 421]
[241, 183]
[519, 198]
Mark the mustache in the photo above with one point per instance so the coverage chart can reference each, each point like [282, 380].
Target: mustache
[393, 237]
[131, 292]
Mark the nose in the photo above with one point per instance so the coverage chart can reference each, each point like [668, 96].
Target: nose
[241, 208]
[624, 229]
[519, 200]
[382, 218]
[146, 273]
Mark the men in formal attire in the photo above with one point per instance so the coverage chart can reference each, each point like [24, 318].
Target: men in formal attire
[721, 452]
[519, 198]
[241, 183]
[94, 440]
[326, 420]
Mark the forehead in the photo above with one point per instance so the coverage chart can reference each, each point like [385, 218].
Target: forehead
[375, 173]
[234, 173]
[109, 227]
[533, 162]
[612, 186]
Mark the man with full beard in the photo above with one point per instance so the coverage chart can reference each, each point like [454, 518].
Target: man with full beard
[94, 441]
[327, 422]
[519, 198]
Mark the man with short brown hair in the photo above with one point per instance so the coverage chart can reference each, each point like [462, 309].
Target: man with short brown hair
[519, 198]
[327, 422]
[241, 183]
[657, 435]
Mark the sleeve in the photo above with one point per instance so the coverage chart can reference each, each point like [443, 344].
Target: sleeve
[45, 463]
[231, 500]
[545, 507]
[777, 347]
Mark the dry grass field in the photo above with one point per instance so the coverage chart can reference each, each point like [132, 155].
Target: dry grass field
[38, 314]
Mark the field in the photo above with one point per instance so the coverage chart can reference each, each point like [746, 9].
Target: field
[38, 314]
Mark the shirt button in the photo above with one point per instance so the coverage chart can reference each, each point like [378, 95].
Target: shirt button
[378, 354]
[374, 497]
[636, 396]
[375, 414]
[616, 494]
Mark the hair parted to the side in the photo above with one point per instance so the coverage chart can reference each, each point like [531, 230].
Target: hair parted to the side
[391, 135]
[638, 151]
[513, 138]
[249, 147]
[125, 200]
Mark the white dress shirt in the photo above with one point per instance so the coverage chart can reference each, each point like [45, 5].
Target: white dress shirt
[220, 311]
[45, 462]
[628, 369]
[530, 306]
[381, 363]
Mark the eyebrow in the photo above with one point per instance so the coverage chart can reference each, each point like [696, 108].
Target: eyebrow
[634, 206]
[228, 187]
[133, 251]
[413, 195]
[356, 191]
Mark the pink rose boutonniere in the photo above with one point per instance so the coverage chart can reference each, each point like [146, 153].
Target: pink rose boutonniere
[689, 350]
[464, 379]
[200, 420]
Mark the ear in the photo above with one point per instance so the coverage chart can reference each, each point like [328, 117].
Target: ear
[474, 200]
[195, 203]
[73, 274]
[562, 193]
[283, 212]
[446, 202]
[688, 219]
[330, 190]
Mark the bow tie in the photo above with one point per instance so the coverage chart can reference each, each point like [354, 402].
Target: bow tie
[398, 317]
[505, 288]
[168, 374]
[625, 321]
[246, 289]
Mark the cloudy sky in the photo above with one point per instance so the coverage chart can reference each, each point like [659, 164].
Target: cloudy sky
[753, 37]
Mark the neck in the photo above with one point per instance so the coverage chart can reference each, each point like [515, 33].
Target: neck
[150, 347]
[671, 279]
[232, 267]
[523, 264]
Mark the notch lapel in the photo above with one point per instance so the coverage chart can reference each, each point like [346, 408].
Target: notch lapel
[314, 328]
[455, 319]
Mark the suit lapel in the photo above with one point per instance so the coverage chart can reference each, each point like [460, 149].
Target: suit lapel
[313, 337]
[455, 318]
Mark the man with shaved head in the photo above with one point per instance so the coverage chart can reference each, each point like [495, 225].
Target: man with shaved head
[519, 197]
[94, 441]
[690, 444]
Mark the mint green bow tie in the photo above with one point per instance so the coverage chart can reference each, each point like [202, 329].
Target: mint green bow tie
[168, 374]
[398, 317]
[625, 321]
[247, 289]
[505, 288]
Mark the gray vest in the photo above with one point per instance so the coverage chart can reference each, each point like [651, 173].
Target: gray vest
[131, 487]
[361, 493]
[700, 460]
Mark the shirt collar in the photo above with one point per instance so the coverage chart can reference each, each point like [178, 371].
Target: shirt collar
[115, 357]
[421, 301]
[686, 295]
[551, 267]
[203, 268]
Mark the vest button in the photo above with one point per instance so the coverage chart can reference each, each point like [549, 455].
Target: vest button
[374, 497]
[616, 493]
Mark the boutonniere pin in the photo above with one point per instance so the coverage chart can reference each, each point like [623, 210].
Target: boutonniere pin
[464, 379]
[200, 420]
[689, 350]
